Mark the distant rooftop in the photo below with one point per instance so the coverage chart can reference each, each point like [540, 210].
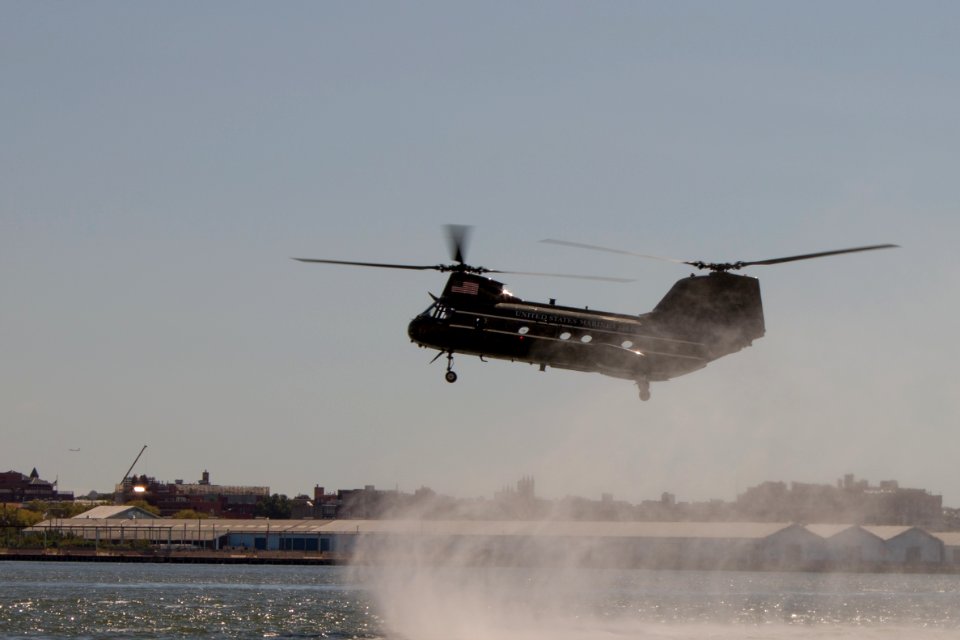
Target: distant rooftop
[117, 512]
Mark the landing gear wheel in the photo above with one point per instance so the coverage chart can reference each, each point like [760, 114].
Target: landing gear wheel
[451, 375]
[644, 387]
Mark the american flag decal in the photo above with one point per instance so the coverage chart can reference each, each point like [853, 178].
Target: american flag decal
[469, 288]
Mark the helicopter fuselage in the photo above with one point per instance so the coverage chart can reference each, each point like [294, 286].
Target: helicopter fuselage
[701, 319]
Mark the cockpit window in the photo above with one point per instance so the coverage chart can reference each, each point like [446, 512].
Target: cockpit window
[437, 311]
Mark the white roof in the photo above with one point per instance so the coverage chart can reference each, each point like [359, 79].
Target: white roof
[577, 529]
[119, 516]
[582, 529]
[122, 511]
[131, 529]
[827, 530]
[948, 538]
[886, 532]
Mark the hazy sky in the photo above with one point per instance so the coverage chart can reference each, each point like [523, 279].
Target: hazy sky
[161, 163]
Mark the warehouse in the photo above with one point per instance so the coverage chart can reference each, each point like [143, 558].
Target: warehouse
[951, 547]
[909, 546]
[606, 544]
[850, 546]
[674, 545]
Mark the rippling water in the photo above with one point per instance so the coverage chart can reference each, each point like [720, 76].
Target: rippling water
[106, 600]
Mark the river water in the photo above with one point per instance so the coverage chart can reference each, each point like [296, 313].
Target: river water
[107, 600]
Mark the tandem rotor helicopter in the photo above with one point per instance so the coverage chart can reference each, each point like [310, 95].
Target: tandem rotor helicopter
[702, 318]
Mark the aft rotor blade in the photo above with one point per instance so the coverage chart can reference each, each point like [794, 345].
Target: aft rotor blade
[594, 247]
[821, 254]
[374, 264]
[561, 275]
[458, 235]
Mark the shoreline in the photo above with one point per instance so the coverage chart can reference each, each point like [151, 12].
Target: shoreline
[308, 558]
[172, 557]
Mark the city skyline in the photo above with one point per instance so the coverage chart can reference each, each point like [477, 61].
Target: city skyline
[524, 488]
[163, 164]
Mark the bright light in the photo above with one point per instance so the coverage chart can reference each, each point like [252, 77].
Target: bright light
[139, 489]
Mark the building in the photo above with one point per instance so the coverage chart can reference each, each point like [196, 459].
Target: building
[220, 501]
[657, 545]
[856, 547]
[951, 547]
[116, 512]
[909, 546]
[16, 487]
[851, 500]
[851, 547]
[684, 545]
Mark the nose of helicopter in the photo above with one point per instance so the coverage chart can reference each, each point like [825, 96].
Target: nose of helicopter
[419, 329]
[428, 331]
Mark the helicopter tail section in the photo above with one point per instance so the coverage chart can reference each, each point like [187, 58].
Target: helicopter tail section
[723, 311]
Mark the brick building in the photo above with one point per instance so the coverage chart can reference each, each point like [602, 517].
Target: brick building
[220, 501]
[16, 487]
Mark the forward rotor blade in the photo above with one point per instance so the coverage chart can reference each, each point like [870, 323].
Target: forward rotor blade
[561, 275]
[821, 254]
[594, 247]
[458, 236]
[384, 265]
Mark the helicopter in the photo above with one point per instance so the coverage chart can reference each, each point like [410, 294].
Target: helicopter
[700, 319]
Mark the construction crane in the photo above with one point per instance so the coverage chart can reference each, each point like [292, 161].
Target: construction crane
[118, 497]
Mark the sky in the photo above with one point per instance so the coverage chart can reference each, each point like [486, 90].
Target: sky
[162, 162]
